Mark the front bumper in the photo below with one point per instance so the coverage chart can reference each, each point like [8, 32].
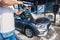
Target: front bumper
[43, 33]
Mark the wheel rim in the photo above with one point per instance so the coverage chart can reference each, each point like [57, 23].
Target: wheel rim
[28, 32]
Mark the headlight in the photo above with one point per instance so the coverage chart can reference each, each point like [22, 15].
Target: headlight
[41, 26]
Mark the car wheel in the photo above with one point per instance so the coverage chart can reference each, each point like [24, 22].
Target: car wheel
[28, 32]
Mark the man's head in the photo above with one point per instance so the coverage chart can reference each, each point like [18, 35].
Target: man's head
[55, 8]
[25, 7]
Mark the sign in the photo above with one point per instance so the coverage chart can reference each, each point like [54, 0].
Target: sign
[41, 8]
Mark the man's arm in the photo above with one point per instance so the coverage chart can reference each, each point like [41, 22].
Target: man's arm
[0, 0]
[18, 2]
[10, 2]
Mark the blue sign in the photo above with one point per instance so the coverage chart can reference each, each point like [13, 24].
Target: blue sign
[41, 8]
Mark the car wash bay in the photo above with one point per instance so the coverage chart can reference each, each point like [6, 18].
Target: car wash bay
[53, 34]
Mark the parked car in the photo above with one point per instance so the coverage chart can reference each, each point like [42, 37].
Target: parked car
[26, 24]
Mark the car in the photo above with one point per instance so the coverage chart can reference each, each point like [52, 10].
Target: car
[27, 25]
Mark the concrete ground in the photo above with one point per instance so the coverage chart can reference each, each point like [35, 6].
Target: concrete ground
[53, 34]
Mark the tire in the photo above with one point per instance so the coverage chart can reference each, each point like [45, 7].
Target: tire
[28, 32]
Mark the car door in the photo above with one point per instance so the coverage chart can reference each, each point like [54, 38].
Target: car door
[18, 22]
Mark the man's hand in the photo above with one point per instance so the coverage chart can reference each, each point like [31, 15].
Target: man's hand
[18, 12]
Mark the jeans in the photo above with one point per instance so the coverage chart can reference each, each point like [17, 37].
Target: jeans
[7, 36]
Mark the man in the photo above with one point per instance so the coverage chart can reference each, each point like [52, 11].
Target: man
[55, 10]
[7, 28]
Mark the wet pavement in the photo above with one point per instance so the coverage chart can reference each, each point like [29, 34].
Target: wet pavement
[53, 34]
